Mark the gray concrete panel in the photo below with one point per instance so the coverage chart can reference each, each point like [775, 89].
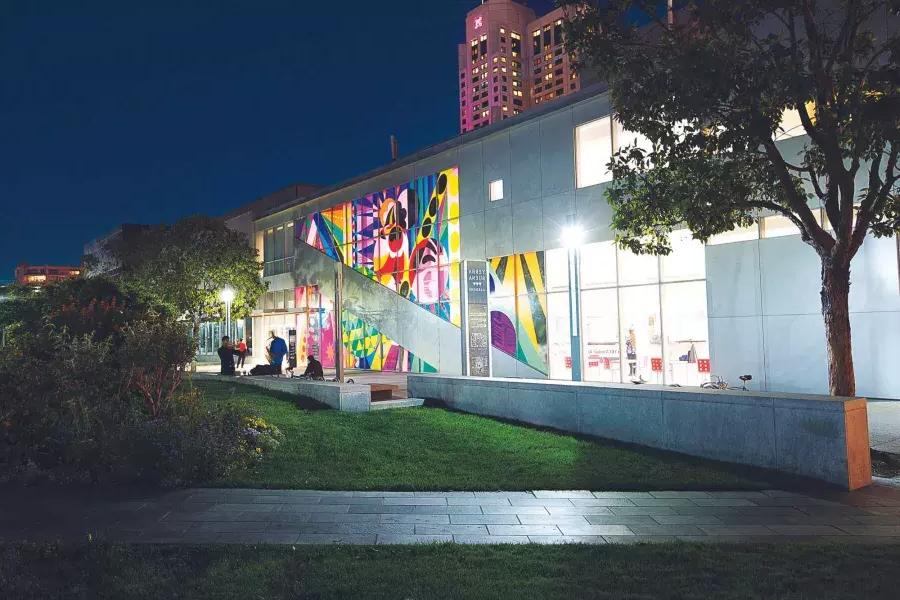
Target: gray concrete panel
[591, 110]
[472, 186]
[558, 210]
[496, 166]
[557, 153]
[498, 226]
[528, 226]
[525, 162]
[593, 213]
[471, 232]
[609, 415]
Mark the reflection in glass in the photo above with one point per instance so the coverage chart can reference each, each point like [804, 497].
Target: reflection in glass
[560, 345]
[686, 339]
[641, 339]
[600, 336]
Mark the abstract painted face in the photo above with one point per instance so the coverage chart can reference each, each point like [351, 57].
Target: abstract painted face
[430, 277]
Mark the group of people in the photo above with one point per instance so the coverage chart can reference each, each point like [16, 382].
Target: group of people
[276, 350]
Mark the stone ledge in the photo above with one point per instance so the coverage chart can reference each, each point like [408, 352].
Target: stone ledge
[821, 437]
[347, 397]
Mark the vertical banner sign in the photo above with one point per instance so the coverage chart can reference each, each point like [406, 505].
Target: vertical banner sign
[292, 348]
[476, 319]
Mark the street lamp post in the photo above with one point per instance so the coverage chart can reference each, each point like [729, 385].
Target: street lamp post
[227, 296]
[572, 237]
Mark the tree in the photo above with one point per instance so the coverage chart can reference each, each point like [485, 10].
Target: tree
[709, 90]
[184, 267]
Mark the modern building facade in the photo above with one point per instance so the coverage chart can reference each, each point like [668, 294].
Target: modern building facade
[747, 302]
[511, 60]
[44, 274]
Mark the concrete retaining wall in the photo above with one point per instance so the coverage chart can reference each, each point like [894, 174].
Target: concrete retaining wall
[815, 436]
[347, 397]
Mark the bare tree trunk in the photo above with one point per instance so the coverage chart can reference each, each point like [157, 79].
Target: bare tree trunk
[836, 311]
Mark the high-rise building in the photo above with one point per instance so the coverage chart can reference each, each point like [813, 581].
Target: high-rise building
[511, 60]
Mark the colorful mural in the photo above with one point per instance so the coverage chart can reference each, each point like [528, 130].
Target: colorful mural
[364, 346]
[405, 237]
[518, 304]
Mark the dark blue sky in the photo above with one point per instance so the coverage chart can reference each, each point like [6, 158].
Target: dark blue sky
[116, 112]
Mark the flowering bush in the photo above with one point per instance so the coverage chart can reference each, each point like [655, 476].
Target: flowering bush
[260, 436]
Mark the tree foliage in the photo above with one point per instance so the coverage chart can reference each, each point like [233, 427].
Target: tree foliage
[185, 266]
[709, 90]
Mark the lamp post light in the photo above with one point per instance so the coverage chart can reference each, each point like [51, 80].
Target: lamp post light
[572, 239]
[227, 296]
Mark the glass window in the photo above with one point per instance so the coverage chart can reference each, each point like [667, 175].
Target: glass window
[687, 259]
[593, 151]
[289, 240]
[560, 350]
[269, 248]
[637, 268]
[495, 189]
[778, 226]
[278, 242]
[598, 265]
[640, 334]
[557, 269]
[791, 125]
[600, 335]
[625, 138]
[738, 234]
[686, 334]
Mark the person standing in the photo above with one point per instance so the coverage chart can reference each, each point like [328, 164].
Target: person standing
[242, 352]
[226, 356]
[276, 350]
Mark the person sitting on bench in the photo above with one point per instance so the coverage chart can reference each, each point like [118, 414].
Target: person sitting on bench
[313, 368]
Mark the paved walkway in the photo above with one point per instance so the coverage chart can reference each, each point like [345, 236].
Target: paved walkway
[318, 517]
[884, 425]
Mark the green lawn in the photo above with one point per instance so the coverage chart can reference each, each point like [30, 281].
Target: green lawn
[436, 449]
[448, 571]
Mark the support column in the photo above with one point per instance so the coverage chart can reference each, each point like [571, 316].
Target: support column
[575, 311]
[338, 321]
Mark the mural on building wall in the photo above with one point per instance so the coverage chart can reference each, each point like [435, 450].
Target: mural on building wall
[364, 346]
[405, 237]
[518, 305]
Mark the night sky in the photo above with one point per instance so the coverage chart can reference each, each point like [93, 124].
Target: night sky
[144, 112]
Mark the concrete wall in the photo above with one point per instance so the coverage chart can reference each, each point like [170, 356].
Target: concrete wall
[814, 436]
[346, 397]
[765, 315]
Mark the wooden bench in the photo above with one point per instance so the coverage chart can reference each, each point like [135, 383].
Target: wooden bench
[382, 391]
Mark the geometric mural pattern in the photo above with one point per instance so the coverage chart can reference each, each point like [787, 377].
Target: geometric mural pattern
[405, 237]
[518, 307]
[364, 346]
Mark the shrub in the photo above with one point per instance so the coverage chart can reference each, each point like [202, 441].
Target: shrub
[92, 393]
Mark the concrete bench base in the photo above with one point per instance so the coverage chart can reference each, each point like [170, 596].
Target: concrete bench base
[347, 397]
[821, 437]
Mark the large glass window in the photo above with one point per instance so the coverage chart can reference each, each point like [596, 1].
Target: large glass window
[685, 325]
[600, 335]
[598, 265]
[560, 345]
[687, 259]
[641, 334]
[637, 269]
[625, 138]
[593, 151]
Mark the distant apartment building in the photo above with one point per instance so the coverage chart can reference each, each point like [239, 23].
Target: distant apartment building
[44, 274]
[511, 60]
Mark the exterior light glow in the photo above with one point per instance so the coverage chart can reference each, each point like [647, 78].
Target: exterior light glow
[572, 236]
[226, 295]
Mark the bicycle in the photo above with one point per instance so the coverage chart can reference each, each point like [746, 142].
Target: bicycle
[720, 383]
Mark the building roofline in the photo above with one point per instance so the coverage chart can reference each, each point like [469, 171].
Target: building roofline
[465, 138]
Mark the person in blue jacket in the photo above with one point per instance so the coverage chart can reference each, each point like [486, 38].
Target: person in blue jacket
[276, 350]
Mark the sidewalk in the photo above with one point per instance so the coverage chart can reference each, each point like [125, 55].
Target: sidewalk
[322, 517]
